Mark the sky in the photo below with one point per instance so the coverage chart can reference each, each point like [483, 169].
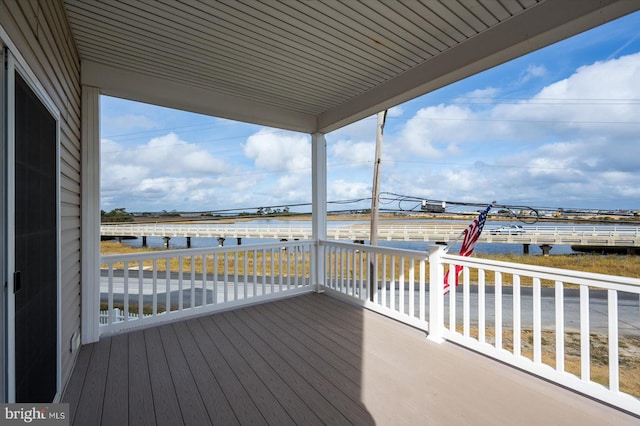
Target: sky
[558, 128]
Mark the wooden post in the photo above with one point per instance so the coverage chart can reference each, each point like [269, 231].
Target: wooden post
[375, 203]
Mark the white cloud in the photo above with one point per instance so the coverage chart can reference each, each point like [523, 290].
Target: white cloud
[353, 154]
[435, 131]
[163, 172]
[341, 189]
[532, 72]
[279, 151]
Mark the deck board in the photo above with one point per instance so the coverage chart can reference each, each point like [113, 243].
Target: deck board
[116, 395]
[310, 359]
[141, 409]
[214, 398]
[267, 403]
[93, 388]
[165, 400]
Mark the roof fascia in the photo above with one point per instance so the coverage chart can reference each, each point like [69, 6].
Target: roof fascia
[139, 87]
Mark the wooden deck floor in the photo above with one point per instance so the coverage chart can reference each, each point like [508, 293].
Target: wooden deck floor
[308, 360]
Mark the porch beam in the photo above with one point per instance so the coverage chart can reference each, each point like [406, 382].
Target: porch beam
[153, 90]
[90, 231]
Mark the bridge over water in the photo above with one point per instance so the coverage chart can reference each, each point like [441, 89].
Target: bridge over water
[543, 235]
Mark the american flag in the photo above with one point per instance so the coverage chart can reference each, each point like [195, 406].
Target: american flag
[471, 235]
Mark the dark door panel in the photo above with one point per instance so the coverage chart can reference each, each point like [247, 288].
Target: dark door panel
[35, 247]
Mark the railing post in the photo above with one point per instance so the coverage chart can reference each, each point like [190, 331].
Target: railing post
[436, 294]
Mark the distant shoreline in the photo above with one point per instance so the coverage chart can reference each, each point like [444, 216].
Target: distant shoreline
[612, 220]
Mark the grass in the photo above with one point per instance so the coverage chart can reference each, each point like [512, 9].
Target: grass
[628, 346]
[620, 265]
[242, 263]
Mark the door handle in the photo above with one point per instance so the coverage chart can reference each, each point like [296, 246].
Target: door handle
[17, 283]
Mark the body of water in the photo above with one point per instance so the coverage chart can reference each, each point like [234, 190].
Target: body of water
[486, 248]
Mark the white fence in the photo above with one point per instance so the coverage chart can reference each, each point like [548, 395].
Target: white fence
[200, 281]
[607, 235]
[117, 315]
[573, 331]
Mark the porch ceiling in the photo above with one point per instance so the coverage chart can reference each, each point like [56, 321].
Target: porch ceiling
[309, 66]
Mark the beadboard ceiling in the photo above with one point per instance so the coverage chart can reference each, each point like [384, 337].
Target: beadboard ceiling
[310, 66]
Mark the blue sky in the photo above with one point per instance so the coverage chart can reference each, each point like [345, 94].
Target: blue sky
[557, 128]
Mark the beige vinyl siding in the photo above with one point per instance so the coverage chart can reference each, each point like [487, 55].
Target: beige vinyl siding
[40, 31]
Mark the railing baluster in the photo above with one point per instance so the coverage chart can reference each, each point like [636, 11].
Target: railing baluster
[422, 293]
[296, 261]
[375, 279]
[204, 280]
[281, 277]
[401, 286]
[517, 319]
[498, 310]
[167, 285]
[537, 322]
[452, 298]
[236, 283]
[343, 268]
[384, 282]
[193, 282]
[264, 272]
[215, 272]
[612, 316]
[362, 264]
[559, 321]
[272, 280]
[140, 289]
[154, 306]
[412, 288]
[481, 306]
[466, 302]
[226, 277]
[254, 255]
[180, 284]
[392, 285]
[340, 268]
[585, 339]
[245, 274]
[110, 293]
[125, 295]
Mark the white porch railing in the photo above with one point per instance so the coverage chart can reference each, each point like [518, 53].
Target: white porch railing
[199, 281]
[566, 326]
[574, 328]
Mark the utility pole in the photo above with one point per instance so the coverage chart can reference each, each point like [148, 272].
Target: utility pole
[375, 202]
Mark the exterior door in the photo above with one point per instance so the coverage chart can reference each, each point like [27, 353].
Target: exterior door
[32, 248]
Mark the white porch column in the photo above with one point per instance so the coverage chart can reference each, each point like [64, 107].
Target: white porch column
[436, 294]
[319, 205]
[90, 231]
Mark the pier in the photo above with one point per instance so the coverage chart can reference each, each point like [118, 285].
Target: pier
[545, 236]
